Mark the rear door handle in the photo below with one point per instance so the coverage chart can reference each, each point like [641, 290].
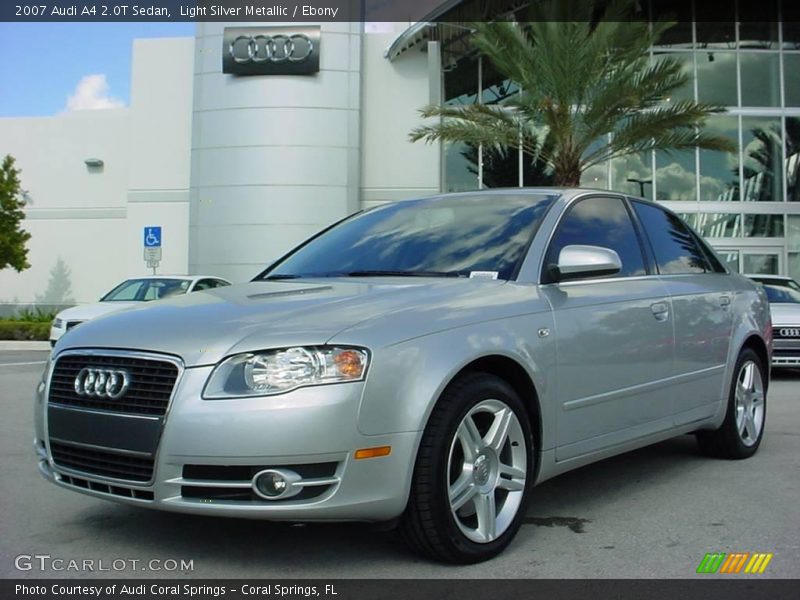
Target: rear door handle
[660, 311]
[725, 301]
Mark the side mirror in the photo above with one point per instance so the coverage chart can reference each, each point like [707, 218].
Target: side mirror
[577, 262]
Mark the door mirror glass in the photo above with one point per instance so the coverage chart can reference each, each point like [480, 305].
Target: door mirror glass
[578, 261]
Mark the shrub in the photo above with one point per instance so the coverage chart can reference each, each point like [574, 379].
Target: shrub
[24, 330]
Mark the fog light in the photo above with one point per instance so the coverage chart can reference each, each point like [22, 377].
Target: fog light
[274, 484]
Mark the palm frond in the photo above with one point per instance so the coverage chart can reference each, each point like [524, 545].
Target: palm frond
[589, 89]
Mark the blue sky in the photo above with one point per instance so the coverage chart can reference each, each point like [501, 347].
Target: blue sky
[42, 65]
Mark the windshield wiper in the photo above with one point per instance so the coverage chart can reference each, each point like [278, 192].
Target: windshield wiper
[278, 276]
[378, 273]
[362, 273]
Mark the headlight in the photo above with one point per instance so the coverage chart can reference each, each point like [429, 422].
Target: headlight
[58, 323]
[277, 371]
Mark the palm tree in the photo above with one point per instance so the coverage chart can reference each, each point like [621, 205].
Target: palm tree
[590, 92]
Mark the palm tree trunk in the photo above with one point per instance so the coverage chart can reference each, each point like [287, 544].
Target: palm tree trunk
[567, 172]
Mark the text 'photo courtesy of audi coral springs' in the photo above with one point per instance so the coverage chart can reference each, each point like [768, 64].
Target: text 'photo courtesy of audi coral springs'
[425, 362]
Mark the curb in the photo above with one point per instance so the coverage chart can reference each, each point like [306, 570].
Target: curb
[22, 346]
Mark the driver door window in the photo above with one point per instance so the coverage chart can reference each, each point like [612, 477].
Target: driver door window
[601, 222]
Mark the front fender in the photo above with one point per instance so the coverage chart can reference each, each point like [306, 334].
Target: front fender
[406, 379]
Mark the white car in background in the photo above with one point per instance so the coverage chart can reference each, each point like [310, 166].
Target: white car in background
[132, 292]
[784, 305]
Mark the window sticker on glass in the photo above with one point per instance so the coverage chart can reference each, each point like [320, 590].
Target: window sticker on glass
[483, 274]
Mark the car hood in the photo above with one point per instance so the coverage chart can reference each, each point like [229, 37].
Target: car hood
[204, 327]
[785, 313]
[91, 311]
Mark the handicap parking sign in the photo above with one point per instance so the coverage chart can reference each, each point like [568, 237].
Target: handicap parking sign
[152, 237]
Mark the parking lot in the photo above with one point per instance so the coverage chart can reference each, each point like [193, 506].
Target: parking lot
[651, 513]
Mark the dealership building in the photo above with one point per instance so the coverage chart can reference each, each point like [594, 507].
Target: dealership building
[238, 157]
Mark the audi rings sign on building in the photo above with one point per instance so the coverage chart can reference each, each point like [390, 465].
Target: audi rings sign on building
[102, 383]
[270, 50]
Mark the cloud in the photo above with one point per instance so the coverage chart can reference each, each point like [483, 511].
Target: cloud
[91, 93]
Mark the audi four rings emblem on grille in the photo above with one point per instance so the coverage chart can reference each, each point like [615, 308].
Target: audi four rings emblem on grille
[102, 383]
[270, 48]
[790, 332]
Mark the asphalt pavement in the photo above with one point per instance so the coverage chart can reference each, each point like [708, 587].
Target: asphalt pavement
[652, 513]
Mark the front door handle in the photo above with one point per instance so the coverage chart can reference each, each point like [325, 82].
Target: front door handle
[724, 301]
[660, 311]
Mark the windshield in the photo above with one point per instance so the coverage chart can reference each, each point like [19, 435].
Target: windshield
[779, 294]
[144, 290]
[456, 236]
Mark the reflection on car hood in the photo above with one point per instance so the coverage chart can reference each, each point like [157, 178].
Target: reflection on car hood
[90, 311]
[785, 313]
[203, 327]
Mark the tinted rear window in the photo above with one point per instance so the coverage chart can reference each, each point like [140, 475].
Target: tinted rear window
[674, 246]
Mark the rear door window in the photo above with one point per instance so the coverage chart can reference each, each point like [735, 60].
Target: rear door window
[675, 248]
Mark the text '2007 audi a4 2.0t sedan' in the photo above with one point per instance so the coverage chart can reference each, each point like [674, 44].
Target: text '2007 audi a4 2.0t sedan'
[427, 361]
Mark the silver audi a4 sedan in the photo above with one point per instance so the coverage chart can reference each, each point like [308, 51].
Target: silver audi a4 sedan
[425, 362]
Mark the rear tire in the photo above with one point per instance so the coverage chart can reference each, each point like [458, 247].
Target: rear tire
[473, 473]
[741, 432]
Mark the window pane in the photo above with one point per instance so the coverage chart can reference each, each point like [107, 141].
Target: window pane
[791, 71]
[461, 81]
[718, 225]
[793, 159]
[763, 225]
[793, 233]
[673, 244]
[794, 265]
[600, 222]
[730, 258]
[758, 27]
[719, 171]
[761, 79]
[716, 77]
[500, 169]
[460, 168]
[760, 264]
[685, 92]
[460, 161]
[676, 175]
[596, 177]
[762, 158]
[633, 175]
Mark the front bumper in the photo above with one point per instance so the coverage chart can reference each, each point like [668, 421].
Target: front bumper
[785, 352]
[209, 450]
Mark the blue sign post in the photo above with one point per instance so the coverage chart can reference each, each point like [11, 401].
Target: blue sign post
[152, 246]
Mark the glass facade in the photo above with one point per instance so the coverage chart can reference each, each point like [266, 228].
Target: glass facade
[746, 203]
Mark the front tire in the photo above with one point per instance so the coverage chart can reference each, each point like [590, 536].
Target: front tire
[741, 432]
[473, 473]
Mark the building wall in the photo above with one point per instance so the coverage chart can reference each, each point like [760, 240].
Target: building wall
[274, 158]
[86, 223]
[394, 168]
